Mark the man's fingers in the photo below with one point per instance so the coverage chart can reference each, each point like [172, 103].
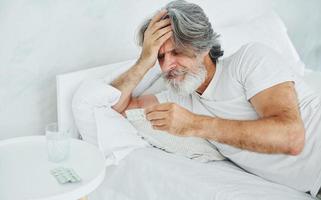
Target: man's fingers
[159, 25]
[156, 115]
[158, 122]
[157, 17]
[162, 32]
[163, 38]
[158, 107]
[161, 128]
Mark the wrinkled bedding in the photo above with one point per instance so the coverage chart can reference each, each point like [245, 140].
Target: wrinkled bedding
[149, 173]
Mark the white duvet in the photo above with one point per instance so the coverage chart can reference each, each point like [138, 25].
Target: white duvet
[151, 174]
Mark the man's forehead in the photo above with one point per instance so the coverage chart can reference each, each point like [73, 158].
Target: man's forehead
[166, 49]
[163, 50]
[167, 46]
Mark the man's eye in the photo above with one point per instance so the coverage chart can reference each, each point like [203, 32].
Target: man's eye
[160, 57]
[177, 53]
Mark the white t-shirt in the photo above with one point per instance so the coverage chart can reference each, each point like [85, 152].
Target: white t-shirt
[253, 68]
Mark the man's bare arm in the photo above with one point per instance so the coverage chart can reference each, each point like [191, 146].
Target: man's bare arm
[279, 130]
[158, 31]
[126, 83]
[141, 102]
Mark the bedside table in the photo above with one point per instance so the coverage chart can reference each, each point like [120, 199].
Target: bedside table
[25, 170]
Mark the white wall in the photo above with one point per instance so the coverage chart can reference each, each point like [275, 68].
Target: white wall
[303, 20]
[40, 39]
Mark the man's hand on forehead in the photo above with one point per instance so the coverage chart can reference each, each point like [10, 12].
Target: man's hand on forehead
[159, 26]
[165, 16]
[159, 16]
[158, 31]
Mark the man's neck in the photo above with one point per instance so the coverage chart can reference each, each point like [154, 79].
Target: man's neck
[210, 71]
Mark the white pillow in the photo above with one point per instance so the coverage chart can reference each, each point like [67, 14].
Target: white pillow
[100, 125]
[191, 147]
[116, 136]
[267, 29]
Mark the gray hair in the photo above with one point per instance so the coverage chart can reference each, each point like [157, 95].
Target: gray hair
[191, 28]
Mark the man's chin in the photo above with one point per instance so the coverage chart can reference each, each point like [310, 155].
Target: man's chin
[184, 86]
[179, 90]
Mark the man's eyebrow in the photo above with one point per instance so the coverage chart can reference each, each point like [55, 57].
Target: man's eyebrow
[161, 54]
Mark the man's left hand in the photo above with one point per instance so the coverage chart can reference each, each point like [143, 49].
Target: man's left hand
[172, 118]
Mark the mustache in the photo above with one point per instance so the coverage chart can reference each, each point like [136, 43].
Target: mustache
[174, 73]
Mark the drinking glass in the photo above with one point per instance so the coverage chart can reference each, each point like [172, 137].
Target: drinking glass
[58, 142]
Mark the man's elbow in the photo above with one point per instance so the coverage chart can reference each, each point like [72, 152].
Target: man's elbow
[296, 140]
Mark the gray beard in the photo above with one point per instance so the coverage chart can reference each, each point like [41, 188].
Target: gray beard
[189, 84]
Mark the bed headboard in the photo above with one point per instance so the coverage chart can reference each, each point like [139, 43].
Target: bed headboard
[67, 84]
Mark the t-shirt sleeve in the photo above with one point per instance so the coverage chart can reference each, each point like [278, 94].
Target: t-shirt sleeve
[260, 67]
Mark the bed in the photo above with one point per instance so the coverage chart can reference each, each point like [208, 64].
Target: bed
[149, 173]
[153, 174]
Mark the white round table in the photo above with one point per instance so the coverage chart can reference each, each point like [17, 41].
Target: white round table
[25, 170]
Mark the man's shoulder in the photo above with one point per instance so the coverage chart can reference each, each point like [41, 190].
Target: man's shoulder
[252, 53]
[255, 48]
[249, 57]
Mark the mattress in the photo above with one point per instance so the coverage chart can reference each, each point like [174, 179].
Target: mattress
[150, 173]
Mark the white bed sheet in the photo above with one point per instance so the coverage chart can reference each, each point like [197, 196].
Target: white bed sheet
[150, 173]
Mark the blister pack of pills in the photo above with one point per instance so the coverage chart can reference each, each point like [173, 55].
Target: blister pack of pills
[135, 114]
[65, 175]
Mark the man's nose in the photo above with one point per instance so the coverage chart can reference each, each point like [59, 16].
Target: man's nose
[169, 62]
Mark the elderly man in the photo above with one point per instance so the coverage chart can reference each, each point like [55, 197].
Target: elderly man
[251, 105]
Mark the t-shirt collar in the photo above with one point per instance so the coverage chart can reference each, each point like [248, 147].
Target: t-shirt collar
[209, 91]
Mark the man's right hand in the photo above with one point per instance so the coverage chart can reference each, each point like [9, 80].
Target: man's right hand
[158, 31]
